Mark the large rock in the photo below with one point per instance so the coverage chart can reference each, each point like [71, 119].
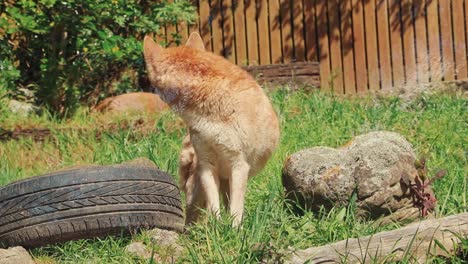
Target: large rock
[371, 165]
[15, 255]
[139, 102]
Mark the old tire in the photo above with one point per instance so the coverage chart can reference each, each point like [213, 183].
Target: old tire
[88, 202]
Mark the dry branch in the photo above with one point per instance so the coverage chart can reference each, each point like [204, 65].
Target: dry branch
[419, 240]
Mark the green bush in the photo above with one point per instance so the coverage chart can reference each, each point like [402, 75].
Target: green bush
[73, 50]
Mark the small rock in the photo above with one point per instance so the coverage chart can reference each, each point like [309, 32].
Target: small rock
[166, 240]
[138, 249]
[15, 255]
[163, 238]
[22, 108]
[370, 165]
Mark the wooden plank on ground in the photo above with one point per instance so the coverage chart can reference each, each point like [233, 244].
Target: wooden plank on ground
[298, 29]
[229, 51]
[359, 46]
[239, 21]
[433, 32]
[275, 31]
[336, 73]
[371, 43]
[347, 43]
[422, 52]
[323, 44]
[447, 40]
[311, 44]
[286, 74]
[396, 43]
[384, 45]
[251, 25]
[459, 39]
[411, 71]
[205, 24]
[418, 242]
[263, 32]
[286, 31]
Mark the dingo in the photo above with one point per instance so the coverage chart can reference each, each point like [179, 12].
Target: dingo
[231, 123]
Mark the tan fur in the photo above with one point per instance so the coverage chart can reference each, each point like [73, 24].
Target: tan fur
[132, 102]
[232, 125]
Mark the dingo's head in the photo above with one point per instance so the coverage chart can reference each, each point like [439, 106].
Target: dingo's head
[172, 70]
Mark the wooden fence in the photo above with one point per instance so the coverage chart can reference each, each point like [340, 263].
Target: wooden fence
[360, 44]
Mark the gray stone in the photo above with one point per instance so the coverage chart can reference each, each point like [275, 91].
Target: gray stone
[166, 239]
[164, 243]
[15, 255]
[138, 249]
[370, 165]
[22, 108]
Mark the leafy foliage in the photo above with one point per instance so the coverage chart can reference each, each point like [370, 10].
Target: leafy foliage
[67, 51]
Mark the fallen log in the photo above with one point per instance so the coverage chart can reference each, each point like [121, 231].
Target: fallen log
[416, 242]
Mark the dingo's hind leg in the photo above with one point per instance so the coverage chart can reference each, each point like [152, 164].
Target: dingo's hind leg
[238, 187]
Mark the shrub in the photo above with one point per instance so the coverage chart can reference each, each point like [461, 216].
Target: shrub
[73, 50]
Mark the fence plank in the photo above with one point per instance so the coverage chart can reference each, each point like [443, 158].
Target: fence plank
[421, 40]
[229, 49]
[310, 31]
[433, 40]
[171, 35]
[446, 34]
[396, 43]
[240, 37]
[251, 26]
[286, 31]
[263, 38]
[323, 44]
[205, 24]
[160, 36]
[384, 44]
[336, 74]
[371, 43]
[346, 10]
[459, 39]
[408, 41]
[275, 31]
[298, 29]
[216, 27]
[195, 27]
[466, 26]
[359, 46]
[182, 30]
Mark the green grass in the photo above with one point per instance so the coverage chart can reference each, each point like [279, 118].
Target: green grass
[436, 125]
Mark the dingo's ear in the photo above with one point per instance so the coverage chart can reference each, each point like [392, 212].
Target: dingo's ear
[195, 42]
[151, 49]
